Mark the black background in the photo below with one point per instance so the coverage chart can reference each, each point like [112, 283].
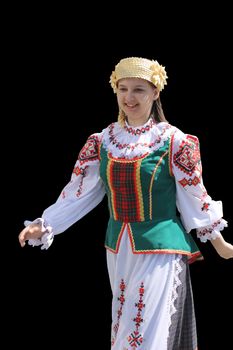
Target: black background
[56, 94]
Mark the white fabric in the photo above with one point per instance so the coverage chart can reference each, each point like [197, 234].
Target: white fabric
[70, 208]
[159, 274]
[191, 198]
[135, 145]
[121, 143]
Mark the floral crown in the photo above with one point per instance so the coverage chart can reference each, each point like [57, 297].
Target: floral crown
[137, 67]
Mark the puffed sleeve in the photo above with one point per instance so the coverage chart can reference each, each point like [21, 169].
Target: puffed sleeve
[197, 209]
[84, 192]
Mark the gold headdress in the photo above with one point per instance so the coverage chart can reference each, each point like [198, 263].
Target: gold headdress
[137, 67]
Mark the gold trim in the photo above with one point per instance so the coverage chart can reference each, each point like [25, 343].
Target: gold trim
[151, 183]
[125, 160]
[131, 238]
[109, 166]
[139, 190]
[170, 154]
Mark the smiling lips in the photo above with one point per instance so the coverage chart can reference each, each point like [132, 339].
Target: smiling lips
[130, 106]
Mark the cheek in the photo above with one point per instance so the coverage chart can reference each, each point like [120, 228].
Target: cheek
[119, 99]
[148, 100]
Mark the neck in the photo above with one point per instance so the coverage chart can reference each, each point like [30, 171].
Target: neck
[139, 122]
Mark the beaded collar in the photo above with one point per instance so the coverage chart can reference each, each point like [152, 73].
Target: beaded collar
[138, 130]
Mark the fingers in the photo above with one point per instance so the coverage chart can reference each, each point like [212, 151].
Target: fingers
[23, 237]
[33, 231]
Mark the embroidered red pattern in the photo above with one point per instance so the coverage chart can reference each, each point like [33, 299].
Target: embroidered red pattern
[117, 144]
[80, 171]
[190, 182]
[89, 151]
[139, 131]
[187, 159]
[135, 338]
[210, 229]
[205, 206]
[121, 299]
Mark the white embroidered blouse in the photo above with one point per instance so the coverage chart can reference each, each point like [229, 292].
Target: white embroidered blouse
[86, 190]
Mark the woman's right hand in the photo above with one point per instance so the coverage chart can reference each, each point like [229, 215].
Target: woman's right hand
[223, 248]
[32, 231]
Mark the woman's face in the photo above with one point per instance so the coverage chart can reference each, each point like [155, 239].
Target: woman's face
[135, 97]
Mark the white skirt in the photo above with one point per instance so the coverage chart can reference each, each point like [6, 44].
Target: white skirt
[152, 305]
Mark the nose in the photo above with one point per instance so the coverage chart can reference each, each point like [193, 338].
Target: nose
[129, 96]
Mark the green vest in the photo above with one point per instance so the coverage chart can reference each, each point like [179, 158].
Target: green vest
[142, 198]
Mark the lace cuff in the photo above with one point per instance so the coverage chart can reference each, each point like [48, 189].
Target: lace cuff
[211, 231]
[47, 239]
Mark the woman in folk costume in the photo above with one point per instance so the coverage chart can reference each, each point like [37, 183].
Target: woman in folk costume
[148, 169]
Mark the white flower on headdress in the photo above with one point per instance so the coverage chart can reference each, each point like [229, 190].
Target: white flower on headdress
[113, 81]
[159, 75]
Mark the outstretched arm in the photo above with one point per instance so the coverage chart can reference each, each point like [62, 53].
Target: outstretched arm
[84, 192]
[198, 210]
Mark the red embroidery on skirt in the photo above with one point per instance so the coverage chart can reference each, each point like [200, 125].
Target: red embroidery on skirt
[135, 338]
[121, 298]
